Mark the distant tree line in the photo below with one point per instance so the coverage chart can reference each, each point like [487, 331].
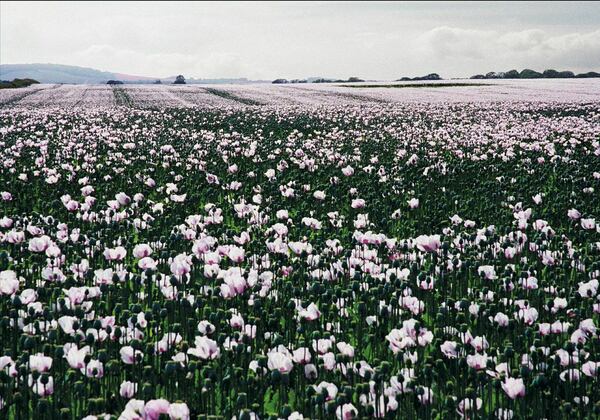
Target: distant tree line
[17, 83]
[285, 81]
[532, 74]
[179, 80]
[430, 76]
[352, 79]
[512, 74]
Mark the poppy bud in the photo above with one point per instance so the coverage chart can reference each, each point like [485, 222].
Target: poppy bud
[42, 406]
[147, 391]
[170, 368]
[275, 377]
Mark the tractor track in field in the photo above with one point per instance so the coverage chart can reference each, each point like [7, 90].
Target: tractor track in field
[122, 98]
[17, 98]
[230, 96]
[81, 97]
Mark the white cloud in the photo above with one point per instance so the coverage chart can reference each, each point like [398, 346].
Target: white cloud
[485, 50]
[170, 64]
[523, 40]
[459, 43]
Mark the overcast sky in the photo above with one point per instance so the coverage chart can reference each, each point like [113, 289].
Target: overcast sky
[269, 40]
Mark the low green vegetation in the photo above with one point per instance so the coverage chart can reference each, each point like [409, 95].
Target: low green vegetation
[17, 83]
[418, 85]
[121, 96]
[232, 97]
[532, 74]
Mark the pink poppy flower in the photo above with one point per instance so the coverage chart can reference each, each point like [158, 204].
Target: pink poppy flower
[301, 355]
[205, 348]
[142, 250]
[115, 254]
[123, 198]
[468, 406]
[128, 389]
[147, 263]
[94, 369]
[40, 363]
[179, 411]
[9, 283]
[574, 214]
[236, 254]
[357, 203]
[180, 265]
[346, 412]
[129, 355]
[154, 408]
[514, 387]
[76, 357]
[590, 369]
[310, 313]
[279, 361]
[41, 388]
[39, 244]
[588, 224]
[570, 375]
[6, 222]
[477, 361]
[449, 349]
[427, 243]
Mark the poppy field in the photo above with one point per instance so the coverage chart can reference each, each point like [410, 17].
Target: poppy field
[366, 260]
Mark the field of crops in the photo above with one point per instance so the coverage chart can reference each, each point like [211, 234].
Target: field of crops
[266, 252]
[310, 95]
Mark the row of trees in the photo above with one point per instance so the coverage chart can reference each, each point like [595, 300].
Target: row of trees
[352, 79]
[17, 83]
[179, 80]
[285, 81]
[430, 76]
[532, 74]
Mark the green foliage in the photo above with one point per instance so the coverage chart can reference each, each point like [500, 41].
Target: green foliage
[17, 83]
[230, 96]
[532, 74]
[419, 85]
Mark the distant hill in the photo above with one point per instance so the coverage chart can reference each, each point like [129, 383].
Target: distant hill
[58, 73]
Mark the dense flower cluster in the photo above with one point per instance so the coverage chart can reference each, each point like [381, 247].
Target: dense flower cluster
[393, 261]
